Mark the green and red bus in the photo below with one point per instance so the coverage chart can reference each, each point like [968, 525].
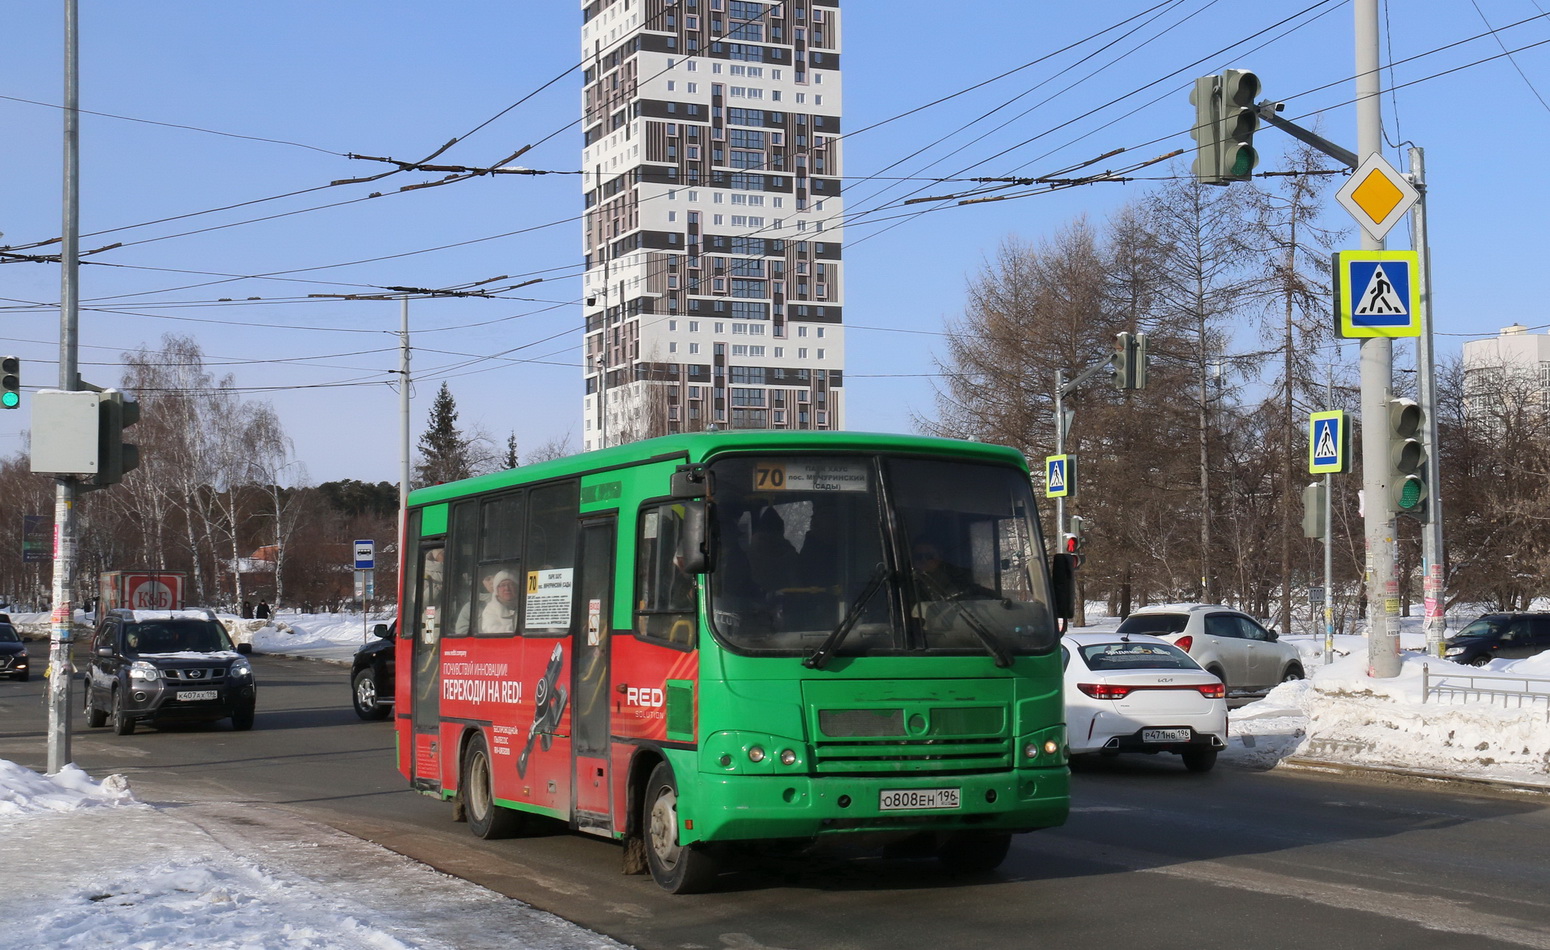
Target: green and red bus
[725, 639]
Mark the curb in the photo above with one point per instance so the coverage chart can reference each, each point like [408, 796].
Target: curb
[1324, 765]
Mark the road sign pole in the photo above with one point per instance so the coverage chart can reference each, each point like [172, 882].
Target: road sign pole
[1377, 373]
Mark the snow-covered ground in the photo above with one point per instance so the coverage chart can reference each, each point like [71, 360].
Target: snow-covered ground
[191, 877]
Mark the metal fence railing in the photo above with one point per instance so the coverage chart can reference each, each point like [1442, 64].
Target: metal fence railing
[1521, 692]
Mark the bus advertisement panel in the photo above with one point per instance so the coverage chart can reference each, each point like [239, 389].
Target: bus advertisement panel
[733, 638]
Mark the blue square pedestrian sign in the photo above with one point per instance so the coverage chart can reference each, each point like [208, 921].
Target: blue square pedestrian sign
[1059, 473]
[1328, 441]
[1377, 293]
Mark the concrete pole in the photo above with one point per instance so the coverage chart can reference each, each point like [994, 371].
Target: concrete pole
[69, 380]
[1377, 373]
[1426, 358]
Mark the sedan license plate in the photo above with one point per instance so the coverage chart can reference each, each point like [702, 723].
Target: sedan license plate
[1165, 735]
[917, 799]
[194, 695]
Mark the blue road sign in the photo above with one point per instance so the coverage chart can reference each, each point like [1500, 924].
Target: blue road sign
[1377, 293]
[1327, 440]
[365, 555]
[1057, 483]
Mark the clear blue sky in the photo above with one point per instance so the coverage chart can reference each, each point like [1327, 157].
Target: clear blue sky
[296, 86]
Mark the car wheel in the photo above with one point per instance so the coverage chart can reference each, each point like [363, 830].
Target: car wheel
[968, 852]
[123, 724]
[94, 717]
[1292, 672]
[677, 868]
[1199, 760]
[485, 818]
[364, 691]
[1481, 660]
[242, 717]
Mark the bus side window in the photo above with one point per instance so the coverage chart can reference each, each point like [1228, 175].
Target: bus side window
[462, 567]
[664, 594]
[500, 566]
[548, 606]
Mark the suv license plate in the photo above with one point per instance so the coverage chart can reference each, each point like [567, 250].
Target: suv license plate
[912, 799]
[193, 695]
[1165, 735]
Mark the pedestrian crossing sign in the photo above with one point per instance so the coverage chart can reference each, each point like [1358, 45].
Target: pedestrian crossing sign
[1328, 440]
[1059, 474]
[1377, 293]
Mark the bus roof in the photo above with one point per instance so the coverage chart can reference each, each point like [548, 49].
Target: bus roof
[699, 446]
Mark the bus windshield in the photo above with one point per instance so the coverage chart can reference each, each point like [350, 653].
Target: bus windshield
[882, 555]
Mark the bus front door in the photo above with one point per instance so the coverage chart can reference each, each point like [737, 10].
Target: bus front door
[590, 712]
[425, 626]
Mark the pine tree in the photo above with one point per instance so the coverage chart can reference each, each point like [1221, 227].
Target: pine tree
[444, 452]
[510, 459]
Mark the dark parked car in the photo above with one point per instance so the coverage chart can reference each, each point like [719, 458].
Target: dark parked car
[371, 674]
[1505, 635]
[13, 653]
[167, 665]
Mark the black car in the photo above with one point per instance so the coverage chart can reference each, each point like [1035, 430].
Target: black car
[1504, 635]
[167, 665]
[372, 674]
[13, 653]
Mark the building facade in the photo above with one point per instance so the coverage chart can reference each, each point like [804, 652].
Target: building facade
[1506, 375]
[713, 292]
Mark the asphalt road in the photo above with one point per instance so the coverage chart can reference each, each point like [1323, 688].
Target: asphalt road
[1153, 856]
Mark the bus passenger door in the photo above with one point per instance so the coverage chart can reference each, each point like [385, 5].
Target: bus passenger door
[590, 686]
[425, 626]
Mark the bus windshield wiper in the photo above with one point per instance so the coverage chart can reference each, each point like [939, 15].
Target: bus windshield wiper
[831, 643]
[995, 647]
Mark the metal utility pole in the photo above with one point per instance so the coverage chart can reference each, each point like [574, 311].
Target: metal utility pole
[1431, 530]
[1377, 374]
[63, 614]
[403, 437]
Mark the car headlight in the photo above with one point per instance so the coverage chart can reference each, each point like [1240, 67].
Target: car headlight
[240, 670]
[1453, 651]
[141, 670]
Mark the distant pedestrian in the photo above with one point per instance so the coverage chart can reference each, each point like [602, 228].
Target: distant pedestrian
[247, 610]
[263, 610]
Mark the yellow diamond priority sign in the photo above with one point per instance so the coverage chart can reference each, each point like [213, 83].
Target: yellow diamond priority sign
[1377, 195]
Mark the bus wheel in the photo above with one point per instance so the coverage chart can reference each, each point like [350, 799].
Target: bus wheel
[677, 869]
[485, 818]
[968, 852]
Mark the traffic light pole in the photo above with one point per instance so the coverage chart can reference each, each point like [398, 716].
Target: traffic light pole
[1431, 527]
[63, 614]
[1377, 374]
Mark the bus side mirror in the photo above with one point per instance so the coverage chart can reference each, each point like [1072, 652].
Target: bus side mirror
[695, 538]
[1062, 583]
[690, 481]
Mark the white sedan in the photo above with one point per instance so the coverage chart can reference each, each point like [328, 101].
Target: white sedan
[1137, 693]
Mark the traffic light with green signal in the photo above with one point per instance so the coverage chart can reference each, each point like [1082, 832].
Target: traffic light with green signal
[1238, 121]
[1407, 459]
[10, 382]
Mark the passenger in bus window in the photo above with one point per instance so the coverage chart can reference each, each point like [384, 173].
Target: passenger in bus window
[500, 614]
[940, 579]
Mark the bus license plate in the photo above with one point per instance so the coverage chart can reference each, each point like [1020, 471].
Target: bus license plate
[193, 695]
[915, 799]
[1165, 735]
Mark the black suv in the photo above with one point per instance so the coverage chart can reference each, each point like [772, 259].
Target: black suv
[372, 674]
[1505, 635]
[13, 652]
[167, 665]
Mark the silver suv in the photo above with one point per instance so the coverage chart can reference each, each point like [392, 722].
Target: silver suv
[1230, 643]
[167, 665]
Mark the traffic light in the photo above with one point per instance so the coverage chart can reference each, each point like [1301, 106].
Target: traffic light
[1238, 120]
[1208, 158]
[1313, 523]
[114, 455]
[1129, 360]
[1074, 540]
[10, 382]
[1407, 459]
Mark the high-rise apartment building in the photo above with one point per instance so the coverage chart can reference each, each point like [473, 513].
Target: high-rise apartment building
[711, 161]
[1506, 375]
